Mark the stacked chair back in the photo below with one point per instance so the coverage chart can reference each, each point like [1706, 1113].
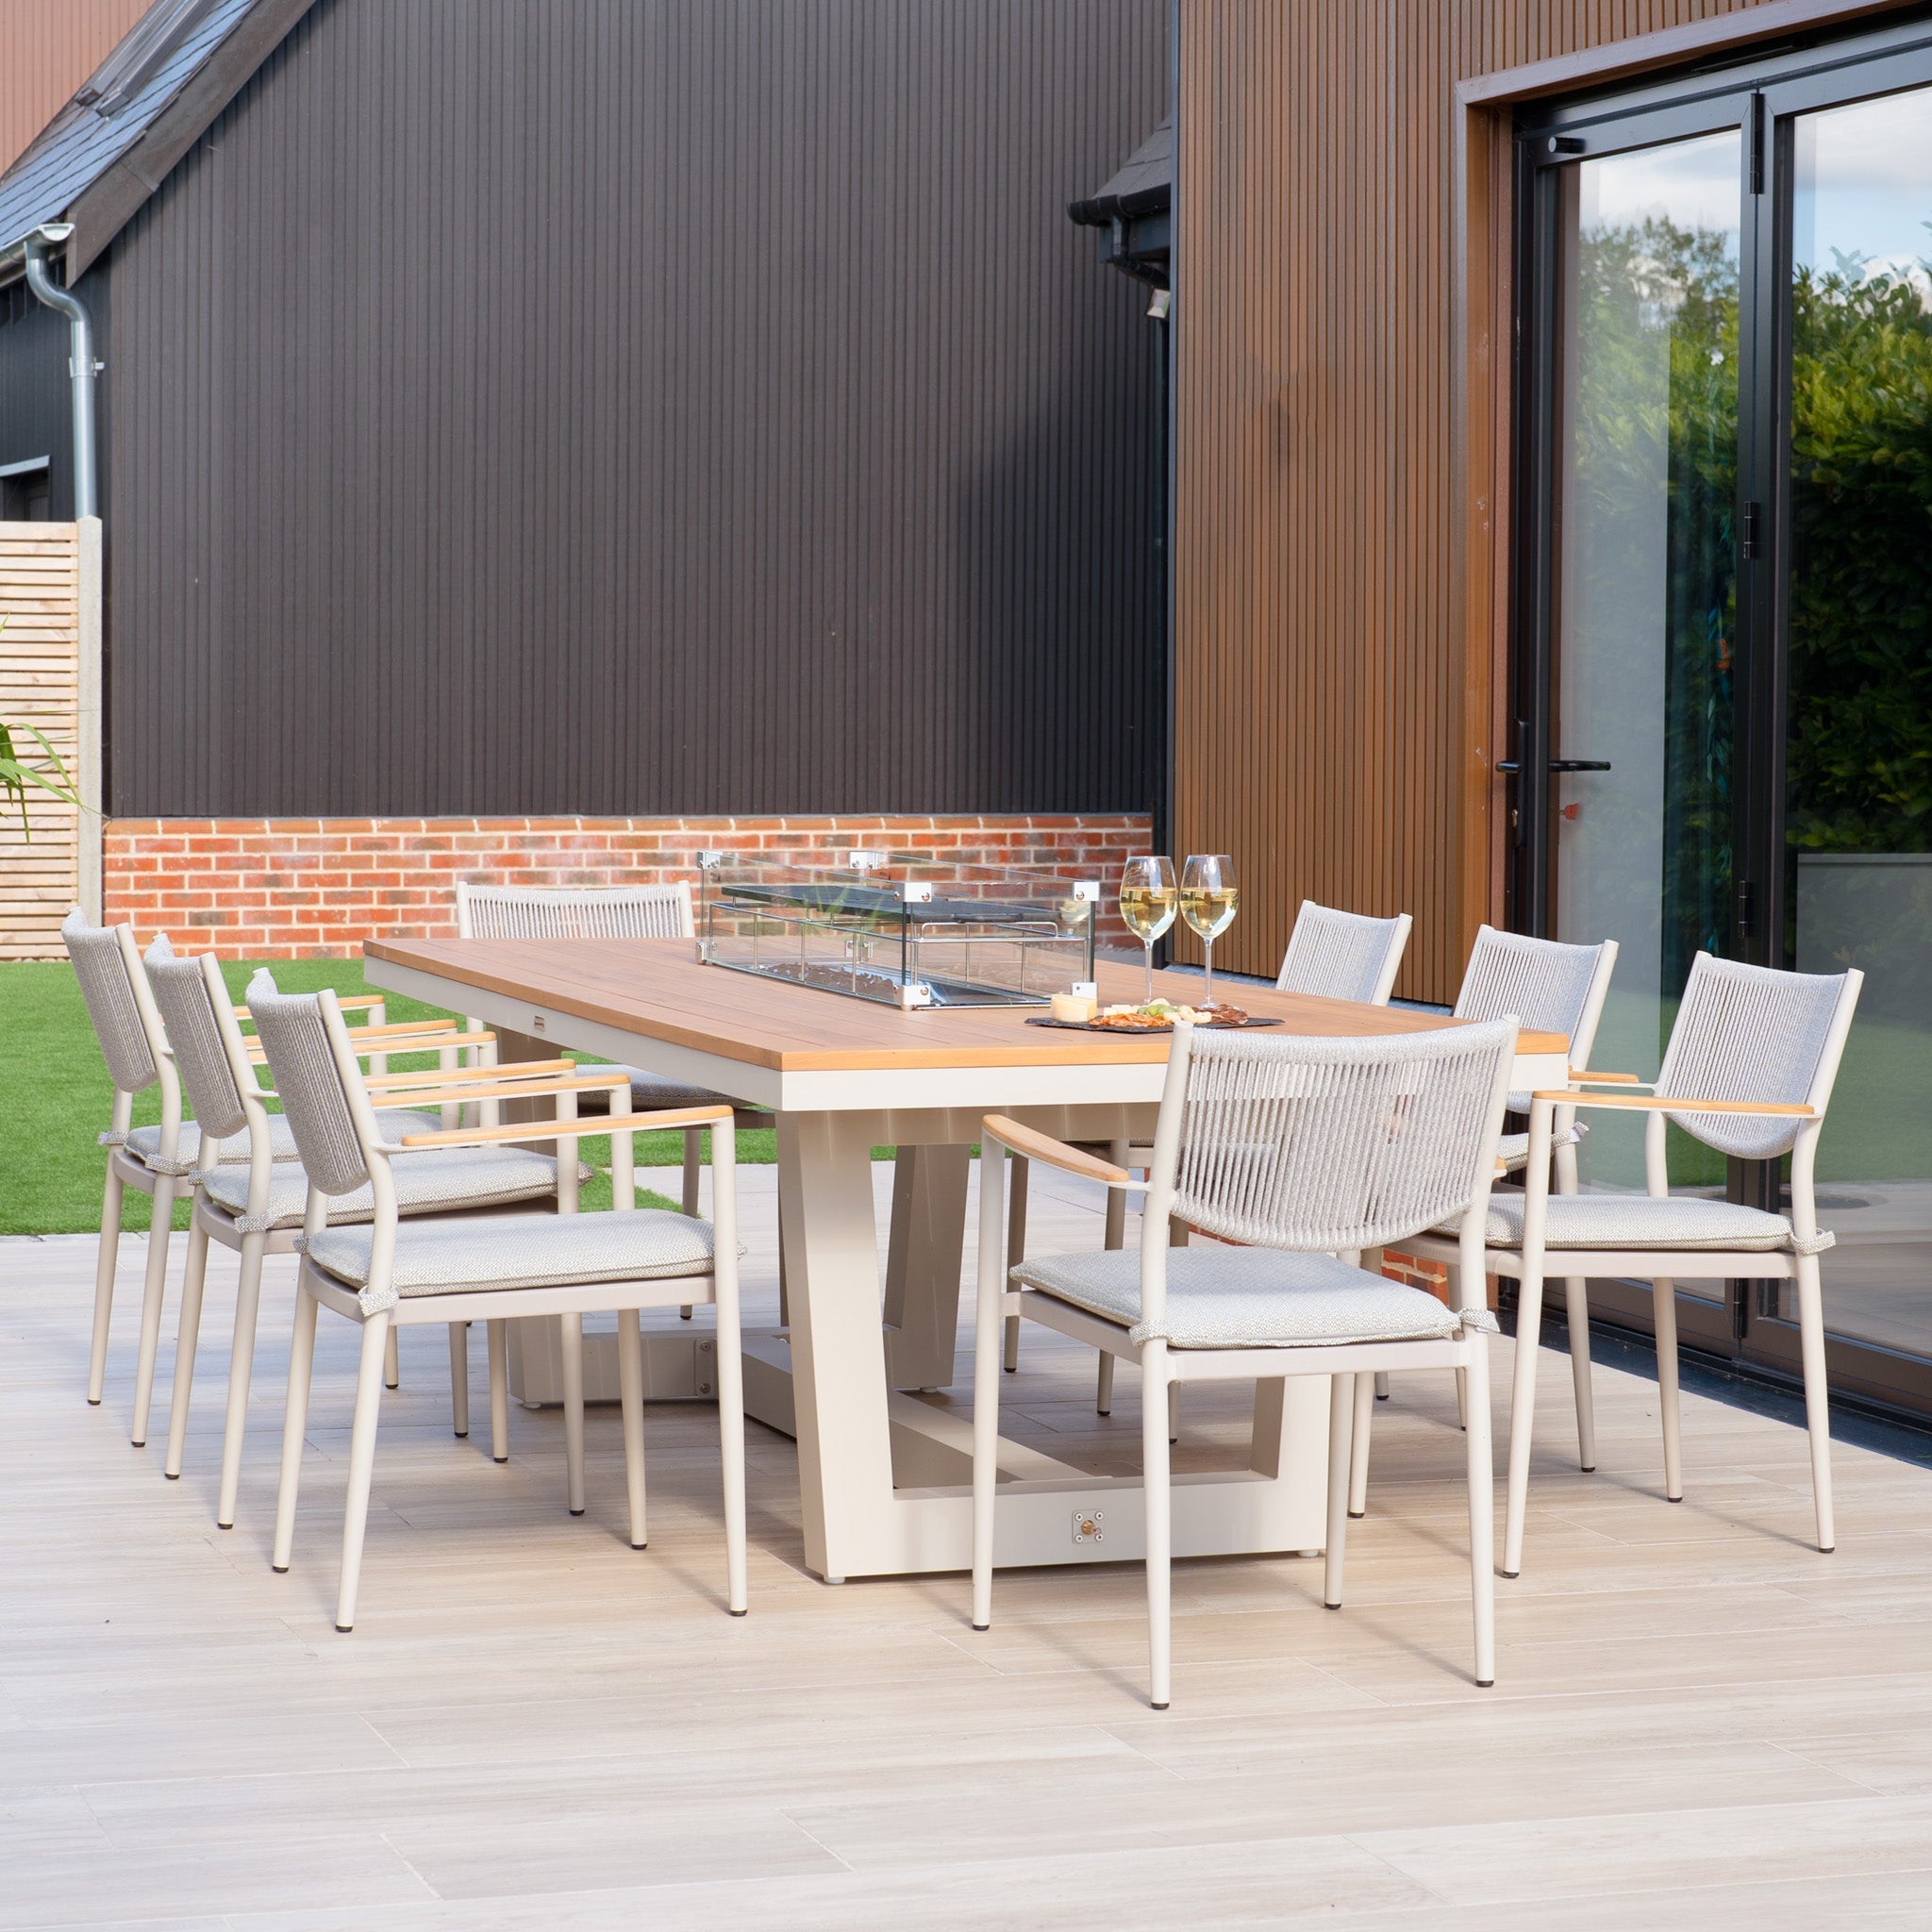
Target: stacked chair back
[1343, 956]
[211, 1057]
[1550, 988]
[1750, 1033]
[132, 1042]
[625, 913]
[308, 1047]
[108, 968]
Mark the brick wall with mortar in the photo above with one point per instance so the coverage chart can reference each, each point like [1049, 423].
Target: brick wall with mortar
[304, 888]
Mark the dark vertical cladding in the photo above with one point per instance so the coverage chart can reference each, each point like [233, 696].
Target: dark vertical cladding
[1319, 623]
[643, 405]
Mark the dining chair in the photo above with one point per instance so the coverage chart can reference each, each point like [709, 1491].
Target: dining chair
[1344, 956]
[1748, 1071]
[156, 1160]
[1550, 988]
[618, 912]
[1297, 1151]
[1331, 954]
[388, 1272]
[258, 1210]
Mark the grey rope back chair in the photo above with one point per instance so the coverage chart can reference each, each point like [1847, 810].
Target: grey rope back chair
[1302, 1151]
[1344, 956]
[258, 1210]
[134, 1044]
[1551, 988]
[1331, 955]
[619, 912]
[387, 1272]
[161, 1160]
[1748, 1071]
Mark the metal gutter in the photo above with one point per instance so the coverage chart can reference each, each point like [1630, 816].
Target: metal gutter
[81, 366]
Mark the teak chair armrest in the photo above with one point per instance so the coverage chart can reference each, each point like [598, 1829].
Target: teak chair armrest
[558, 1130]
[386, 1042]
[438, 1076]
[1583, 1076]
[360, 1003]
[1035, 1145]
[511, 1090]
[1672, 1103]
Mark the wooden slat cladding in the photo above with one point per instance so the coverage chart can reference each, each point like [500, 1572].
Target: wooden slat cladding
[50, 47]
[629, 406]
[1322, 683]
[40, 685]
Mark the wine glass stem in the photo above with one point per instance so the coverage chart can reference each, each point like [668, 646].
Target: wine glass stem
[1208, 974]
[1147, 947]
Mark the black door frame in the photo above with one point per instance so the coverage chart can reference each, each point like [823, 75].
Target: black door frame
[1759, 96]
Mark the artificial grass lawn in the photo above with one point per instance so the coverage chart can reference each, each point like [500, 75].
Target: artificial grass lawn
[58, 1098]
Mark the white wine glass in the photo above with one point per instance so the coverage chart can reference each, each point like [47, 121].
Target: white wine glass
[1209, 897]
[1148, 902]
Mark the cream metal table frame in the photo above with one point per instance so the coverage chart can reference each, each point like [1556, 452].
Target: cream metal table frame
[884, 1476]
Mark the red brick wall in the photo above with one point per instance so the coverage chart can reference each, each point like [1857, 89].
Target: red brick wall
[289, 887]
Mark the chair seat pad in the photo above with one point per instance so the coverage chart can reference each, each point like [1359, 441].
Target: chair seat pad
[1637, 1221]
[427, 1183]
[518, 1250]
[145, 1143]
[651, 1091]
[1228, 1297]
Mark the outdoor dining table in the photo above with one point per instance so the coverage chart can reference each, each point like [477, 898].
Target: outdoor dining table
[883, 1461]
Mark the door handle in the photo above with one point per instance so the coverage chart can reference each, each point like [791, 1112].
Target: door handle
[1512, 766]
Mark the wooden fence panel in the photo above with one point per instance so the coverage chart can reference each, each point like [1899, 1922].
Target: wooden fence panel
[40, 685]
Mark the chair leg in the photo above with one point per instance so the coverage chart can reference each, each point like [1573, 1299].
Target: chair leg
[1530, 1323]
[631, 1382]
[1103, 1389]
[692, 1165]
[161, 1225]
[988, 1364]
[1341, 1431]
[573, 1410]
[392, 1362]
[731, 1437]
[497, 1331]
[1576, 1303]
[187, 1338]
[1016, 1253]
[1115, 1237]
[1173, 1412]
[241, 1373]
[1381, 1385]
[1817, 1404]
[1664, 1295]
[1482, 1512]
[460, 1377]
[1159, 1498]
[295, 1424]
[104, 1264]
[377, 1333]
[1359, 1446]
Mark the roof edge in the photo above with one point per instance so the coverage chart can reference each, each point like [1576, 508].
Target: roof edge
[110, 203]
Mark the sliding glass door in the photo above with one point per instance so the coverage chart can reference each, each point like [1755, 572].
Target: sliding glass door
[1723, 663]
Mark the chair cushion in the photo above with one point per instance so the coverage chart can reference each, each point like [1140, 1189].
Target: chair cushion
[1637, 1221]
[1228, 1297]
[651, 1091]
[427, 1183]
[518, 1250]
[145, 1143]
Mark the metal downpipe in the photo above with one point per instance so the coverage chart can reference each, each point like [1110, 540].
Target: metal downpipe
[81, 366]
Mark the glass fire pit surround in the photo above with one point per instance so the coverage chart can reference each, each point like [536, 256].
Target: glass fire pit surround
[899, 929]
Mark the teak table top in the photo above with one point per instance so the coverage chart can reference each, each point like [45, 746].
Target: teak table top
[657, 989]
